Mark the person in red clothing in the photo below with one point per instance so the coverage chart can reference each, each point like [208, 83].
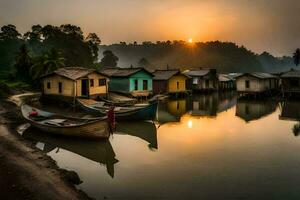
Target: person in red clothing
[111, 119]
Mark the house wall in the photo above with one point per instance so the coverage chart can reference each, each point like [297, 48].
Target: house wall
[199, 82]
[172, 83]
[96, 90]
[119, 84]
[67, 86]
[140, 76]
[256, 85]
[160, 86]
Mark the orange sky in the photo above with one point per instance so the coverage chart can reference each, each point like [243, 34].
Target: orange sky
[260, 25]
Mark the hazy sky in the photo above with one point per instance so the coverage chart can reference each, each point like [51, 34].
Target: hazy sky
[272, 25]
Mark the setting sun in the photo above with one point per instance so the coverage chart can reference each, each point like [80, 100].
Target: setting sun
[190, 40]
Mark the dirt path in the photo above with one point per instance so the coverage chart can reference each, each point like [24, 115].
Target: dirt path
[26, 172]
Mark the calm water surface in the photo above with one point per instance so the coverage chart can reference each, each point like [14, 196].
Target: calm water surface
[204, 147]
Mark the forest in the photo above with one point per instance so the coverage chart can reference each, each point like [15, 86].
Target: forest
[24, 58]
[224, 56]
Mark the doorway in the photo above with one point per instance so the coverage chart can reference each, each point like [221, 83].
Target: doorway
[84, 87]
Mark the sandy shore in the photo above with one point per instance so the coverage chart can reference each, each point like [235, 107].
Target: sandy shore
[25, 171]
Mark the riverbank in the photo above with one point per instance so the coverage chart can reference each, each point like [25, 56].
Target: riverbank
[25, 171]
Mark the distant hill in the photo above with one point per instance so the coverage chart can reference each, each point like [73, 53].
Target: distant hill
[225, 56]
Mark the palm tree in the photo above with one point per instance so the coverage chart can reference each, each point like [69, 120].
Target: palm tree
[47, 63]
[296, 57]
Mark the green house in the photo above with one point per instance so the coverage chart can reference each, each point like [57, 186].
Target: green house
[134, 81]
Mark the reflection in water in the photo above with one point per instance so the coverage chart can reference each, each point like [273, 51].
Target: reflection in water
[144, 130]
[177, 108]
[290, 110]
[209, 105]
[250, 110]
[216, 158]
[98, 151]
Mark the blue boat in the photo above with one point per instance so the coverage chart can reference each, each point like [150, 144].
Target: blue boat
[137, 113]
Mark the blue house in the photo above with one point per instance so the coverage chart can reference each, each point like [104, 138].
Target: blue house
[134, 81]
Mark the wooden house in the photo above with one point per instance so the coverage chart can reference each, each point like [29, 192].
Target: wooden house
[290, 82]
[203, 79]
[169, 82]
[254, 83]
[226, 82]
[72, 82]
[134, 81]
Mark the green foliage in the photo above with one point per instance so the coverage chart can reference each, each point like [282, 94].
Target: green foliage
[46, 63]
[23, 64]
[296, 57]
[109, 59]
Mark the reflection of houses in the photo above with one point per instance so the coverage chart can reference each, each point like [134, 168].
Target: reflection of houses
[134, 81]
[210, 104]
[251, 83]
[164, 116]
[226, 82]
[74, 82]
[177, 107]
[290, 110]
[290, 82]
[203, 79]
[252, 110]
[98, 151]
[169, 81]
[144, 130]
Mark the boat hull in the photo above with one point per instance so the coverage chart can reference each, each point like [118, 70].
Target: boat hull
[87, 128]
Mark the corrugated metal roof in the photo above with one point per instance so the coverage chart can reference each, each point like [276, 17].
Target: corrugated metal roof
[201, 72]
[164, 74]
[73, 73]
[291, 74]
[122, 72]
[260, 75]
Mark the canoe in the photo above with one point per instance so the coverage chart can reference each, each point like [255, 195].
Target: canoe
[143, 112]
[99, 151]
[68, 126]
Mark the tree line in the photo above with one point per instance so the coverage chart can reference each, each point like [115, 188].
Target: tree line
[46, 48]
[224, 56]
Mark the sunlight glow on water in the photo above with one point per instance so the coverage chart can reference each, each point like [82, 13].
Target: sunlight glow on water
[223, 156]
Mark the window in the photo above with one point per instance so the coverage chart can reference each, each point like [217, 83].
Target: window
[206, 83]
[48, 85]
[177, 85]
[136, 84]
[92, 82]
[195, 81]
[102, 82]
[247, 84]
[59, 87]
[145, 85]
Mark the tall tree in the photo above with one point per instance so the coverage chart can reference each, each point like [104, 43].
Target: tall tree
[296, 57]
[109, 59]
[47, 63]
[23, 64]
[94, 41]
[9, 32]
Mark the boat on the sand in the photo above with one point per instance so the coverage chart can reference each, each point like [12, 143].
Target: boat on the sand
[68, 126]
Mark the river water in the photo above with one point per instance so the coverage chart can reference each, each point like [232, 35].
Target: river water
[203, 147]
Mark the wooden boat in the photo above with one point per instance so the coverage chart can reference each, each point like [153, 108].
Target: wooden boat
[99, 151]
[142, 112]
[68, 126]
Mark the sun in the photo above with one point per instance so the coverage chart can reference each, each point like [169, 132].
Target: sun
[190, 40]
